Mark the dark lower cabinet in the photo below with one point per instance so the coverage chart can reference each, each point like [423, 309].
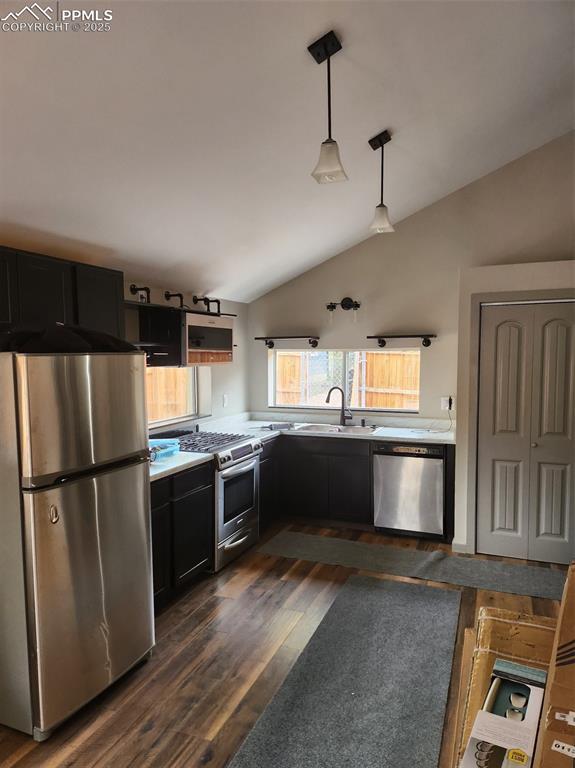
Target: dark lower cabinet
[162, 553]
[182, 530]
[193, 534]
[269, 483]
[306, 485]
[326, 478]
[349, 488]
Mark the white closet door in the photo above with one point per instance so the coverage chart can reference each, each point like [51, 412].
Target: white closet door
[552, 470]
[504, 430]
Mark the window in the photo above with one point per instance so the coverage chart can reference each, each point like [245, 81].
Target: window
[170, 393]
[382, 380]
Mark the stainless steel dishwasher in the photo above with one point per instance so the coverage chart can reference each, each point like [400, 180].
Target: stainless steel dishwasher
[409, 489]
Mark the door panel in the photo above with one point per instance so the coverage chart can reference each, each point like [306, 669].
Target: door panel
[88, 568]
[526, 447]
[504, 434]
[552, 499]
[77, 411]
[507, 510]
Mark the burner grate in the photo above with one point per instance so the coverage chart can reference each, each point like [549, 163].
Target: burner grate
[208, 442]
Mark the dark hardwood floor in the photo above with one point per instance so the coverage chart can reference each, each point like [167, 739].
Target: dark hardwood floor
[223, 649]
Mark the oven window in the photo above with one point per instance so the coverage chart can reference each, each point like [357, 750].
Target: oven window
[238, 495]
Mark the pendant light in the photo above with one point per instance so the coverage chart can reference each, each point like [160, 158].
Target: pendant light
[329, 167]
[381, 222]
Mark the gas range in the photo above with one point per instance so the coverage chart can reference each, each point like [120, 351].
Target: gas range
[236, 488]
[228, 448]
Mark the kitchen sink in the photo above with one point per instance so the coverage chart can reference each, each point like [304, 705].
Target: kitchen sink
[348, 429]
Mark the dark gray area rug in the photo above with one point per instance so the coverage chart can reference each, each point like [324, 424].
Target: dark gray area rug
[437, 566]
[370, 688]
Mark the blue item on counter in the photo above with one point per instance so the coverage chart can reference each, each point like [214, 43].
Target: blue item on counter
[163, 449]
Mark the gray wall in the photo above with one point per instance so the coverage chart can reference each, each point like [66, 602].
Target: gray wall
[408, 281]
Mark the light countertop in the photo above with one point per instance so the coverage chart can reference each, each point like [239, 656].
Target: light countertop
[411, 434]
[184, 460]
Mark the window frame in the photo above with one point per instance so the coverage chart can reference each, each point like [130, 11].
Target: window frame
[193, 384]
[272, 367]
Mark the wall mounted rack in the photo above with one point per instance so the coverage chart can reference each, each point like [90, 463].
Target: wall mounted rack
[383, 337]
[207, 302]
[136, 290]
[269, 341]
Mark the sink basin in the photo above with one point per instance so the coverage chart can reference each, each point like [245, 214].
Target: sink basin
[350, 430]
[318, 428]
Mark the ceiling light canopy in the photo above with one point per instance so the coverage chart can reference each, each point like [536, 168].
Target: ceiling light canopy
[381, 222]
[329, 167]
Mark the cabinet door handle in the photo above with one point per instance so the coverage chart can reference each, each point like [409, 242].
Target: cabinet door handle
[534, 445]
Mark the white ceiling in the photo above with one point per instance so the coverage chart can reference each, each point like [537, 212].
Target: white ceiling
[179, 145]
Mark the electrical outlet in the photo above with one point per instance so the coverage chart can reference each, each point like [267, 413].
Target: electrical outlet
[447, 403]
[224, 401]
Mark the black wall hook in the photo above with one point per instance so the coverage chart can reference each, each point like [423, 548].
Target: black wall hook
[180, 296]
[134, 290]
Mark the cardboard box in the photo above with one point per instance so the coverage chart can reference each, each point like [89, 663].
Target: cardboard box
[505, 729]
[556, 740]
[502, 634]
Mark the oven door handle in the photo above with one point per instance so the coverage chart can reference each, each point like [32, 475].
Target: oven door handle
[235, 471]
[237, 543]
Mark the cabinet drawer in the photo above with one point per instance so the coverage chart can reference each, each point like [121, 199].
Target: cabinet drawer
[160, 492]
[199, 477]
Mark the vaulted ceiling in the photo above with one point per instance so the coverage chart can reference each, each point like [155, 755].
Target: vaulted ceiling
[179, 144]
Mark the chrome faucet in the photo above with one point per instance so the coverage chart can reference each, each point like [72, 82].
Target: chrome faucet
[345, 413]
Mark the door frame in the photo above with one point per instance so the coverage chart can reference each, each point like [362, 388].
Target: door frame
[478, 300]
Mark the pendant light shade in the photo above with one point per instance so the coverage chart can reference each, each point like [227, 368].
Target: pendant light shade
[381, 222]
[329, 167]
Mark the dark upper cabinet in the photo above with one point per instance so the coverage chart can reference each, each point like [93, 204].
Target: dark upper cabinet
[40, 290]
[193, 532]
[158, 331]
[45, 290]
[8, 288]
[100, 299]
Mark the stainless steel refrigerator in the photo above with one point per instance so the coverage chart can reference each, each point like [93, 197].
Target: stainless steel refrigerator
[76, 607]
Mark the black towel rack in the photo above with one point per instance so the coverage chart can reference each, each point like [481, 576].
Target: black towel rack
[383, 337]
[269, 341]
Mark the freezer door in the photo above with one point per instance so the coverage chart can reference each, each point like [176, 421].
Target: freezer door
[408, 493]
[88, 569]
[77, 411]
